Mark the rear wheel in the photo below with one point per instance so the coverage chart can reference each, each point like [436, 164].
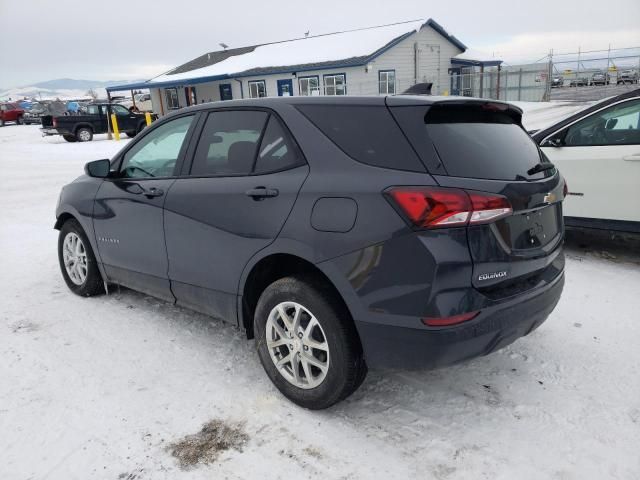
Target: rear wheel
[70, 138]
[77, 261]
[20, 121]
[307, 342]
[1, 122]
[84, 134]
[130, 134]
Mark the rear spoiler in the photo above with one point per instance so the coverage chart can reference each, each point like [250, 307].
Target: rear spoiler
[418, 89]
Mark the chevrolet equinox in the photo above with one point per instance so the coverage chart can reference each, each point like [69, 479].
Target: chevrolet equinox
[340, 233]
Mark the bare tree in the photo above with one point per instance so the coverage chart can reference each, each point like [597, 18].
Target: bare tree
[92, 93]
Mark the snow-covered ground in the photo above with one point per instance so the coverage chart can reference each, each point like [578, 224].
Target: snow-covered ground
[96, 388]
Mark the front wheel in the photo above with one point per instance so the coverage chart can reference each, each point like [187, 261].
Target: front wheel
[77, 261]
[20, 121]
[307, 342]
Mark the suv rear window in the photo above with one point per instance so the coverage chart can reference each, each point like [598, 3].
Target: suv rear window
[367, 133]
[471, 141]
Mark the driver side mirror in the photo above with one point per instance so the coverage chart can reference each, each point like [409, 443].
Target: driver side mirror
[98, 168]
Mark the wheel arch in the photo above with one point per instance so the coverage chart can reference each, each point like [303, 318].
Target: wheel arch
[78, 126]
[275, 265]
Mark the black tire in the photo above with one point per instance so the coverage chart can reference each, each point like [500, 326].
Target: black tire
[84, 134]
[1, 122]
[92, 284]
[70, 138]
[130, 134]
[142, 126]
[20, 121]
[346, 370]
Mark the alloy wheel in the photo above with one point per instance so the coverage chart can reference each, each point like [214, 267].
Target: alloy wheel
[297, 345]
[74, 255]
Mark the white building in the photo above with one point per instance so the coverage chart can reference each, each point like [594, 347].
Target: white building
[368, 61]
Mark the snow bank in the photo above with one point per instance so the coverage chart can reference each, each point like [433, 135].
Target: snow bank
[98, 387]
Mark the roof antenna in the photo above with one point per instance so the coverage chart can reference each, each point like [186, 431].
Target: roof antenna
[224, 45]
[306, 34]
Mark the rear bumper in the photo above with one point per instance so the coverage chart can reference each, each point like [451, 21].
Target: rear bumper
[495, 327]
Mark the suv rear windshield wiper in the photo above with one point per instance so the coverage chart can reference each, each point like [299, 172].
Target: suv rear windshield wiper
[540, 167]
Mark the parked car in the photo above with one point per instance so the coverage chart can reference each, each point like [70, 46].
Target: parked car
[557, 81]
[32, 116]
[92, 119]
[627, 76]
[600, 78]
[598, 152]
[341, 233]
[10, 112]
[579, 82]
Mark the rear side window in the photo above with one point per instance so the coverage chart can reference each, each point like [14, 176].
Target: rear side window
[228, 143]
[368, 134]
[277, 151]
[471, 141]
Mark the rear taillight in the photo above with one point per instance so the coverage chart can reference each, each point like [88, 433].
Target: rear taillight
[437, 207]
[565, 190]
[55, 123]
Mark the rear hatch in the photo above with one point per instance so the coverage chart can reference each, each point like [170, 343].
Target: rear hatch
[480, 147]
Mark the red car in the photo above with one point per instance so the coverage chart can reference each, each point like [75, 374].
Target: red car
[10, 112]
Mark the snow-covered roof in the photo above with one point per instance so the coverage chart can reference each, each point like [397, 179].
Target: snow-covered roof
[339, 49]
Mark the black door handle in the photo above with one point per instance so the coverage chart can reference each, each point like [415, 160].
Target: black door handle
[260, 193]
[153, 192]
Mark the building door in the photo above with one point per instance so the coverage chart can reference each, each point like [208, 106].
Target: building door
[285, 88]
[190, 96]
[454, 74]
[225, 91]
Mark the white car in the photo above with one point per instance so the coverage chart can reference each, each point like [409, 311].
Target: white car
[597, 151]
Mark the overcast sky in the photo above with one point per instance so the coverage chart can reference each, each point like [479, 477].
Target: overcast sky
[137, 39]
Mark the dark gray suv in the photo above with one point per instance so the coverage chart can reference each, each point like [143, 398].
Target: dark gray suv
[341, 233]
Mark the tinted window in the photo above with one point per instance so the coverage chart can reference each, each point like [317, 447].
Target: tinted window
[228, 143]
[368, 134]
[156, 154]
[471, 141]
[277, 151]
[616, 125]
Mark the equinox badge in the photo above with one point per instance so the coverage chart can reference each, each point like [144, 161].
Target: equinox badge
[492, 276]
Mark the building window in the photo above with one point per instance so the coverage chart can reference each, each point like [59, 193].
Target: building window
[171, 94]
[387, 82]
[335, 84]
[309, 85]
[257, 89]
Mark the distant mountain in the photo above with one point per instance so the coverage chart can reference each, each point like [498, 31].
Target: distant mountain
[62, 88]
[73, 84]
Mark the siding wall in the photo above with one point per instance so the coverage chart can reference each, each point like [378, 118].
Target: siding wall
[434, 60]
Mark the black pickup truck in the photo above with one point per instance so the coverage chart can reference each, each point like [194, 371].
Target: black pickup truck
[91, 119]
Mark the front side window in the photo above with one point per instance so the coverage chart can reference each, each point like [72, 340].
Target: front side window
[387, 82]
[156, 154]
[309, 86]
[257, 89]
[616, 125]
[277, 151]
[171, 95]
[228, 143]
[335, 84]
[119, 110]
